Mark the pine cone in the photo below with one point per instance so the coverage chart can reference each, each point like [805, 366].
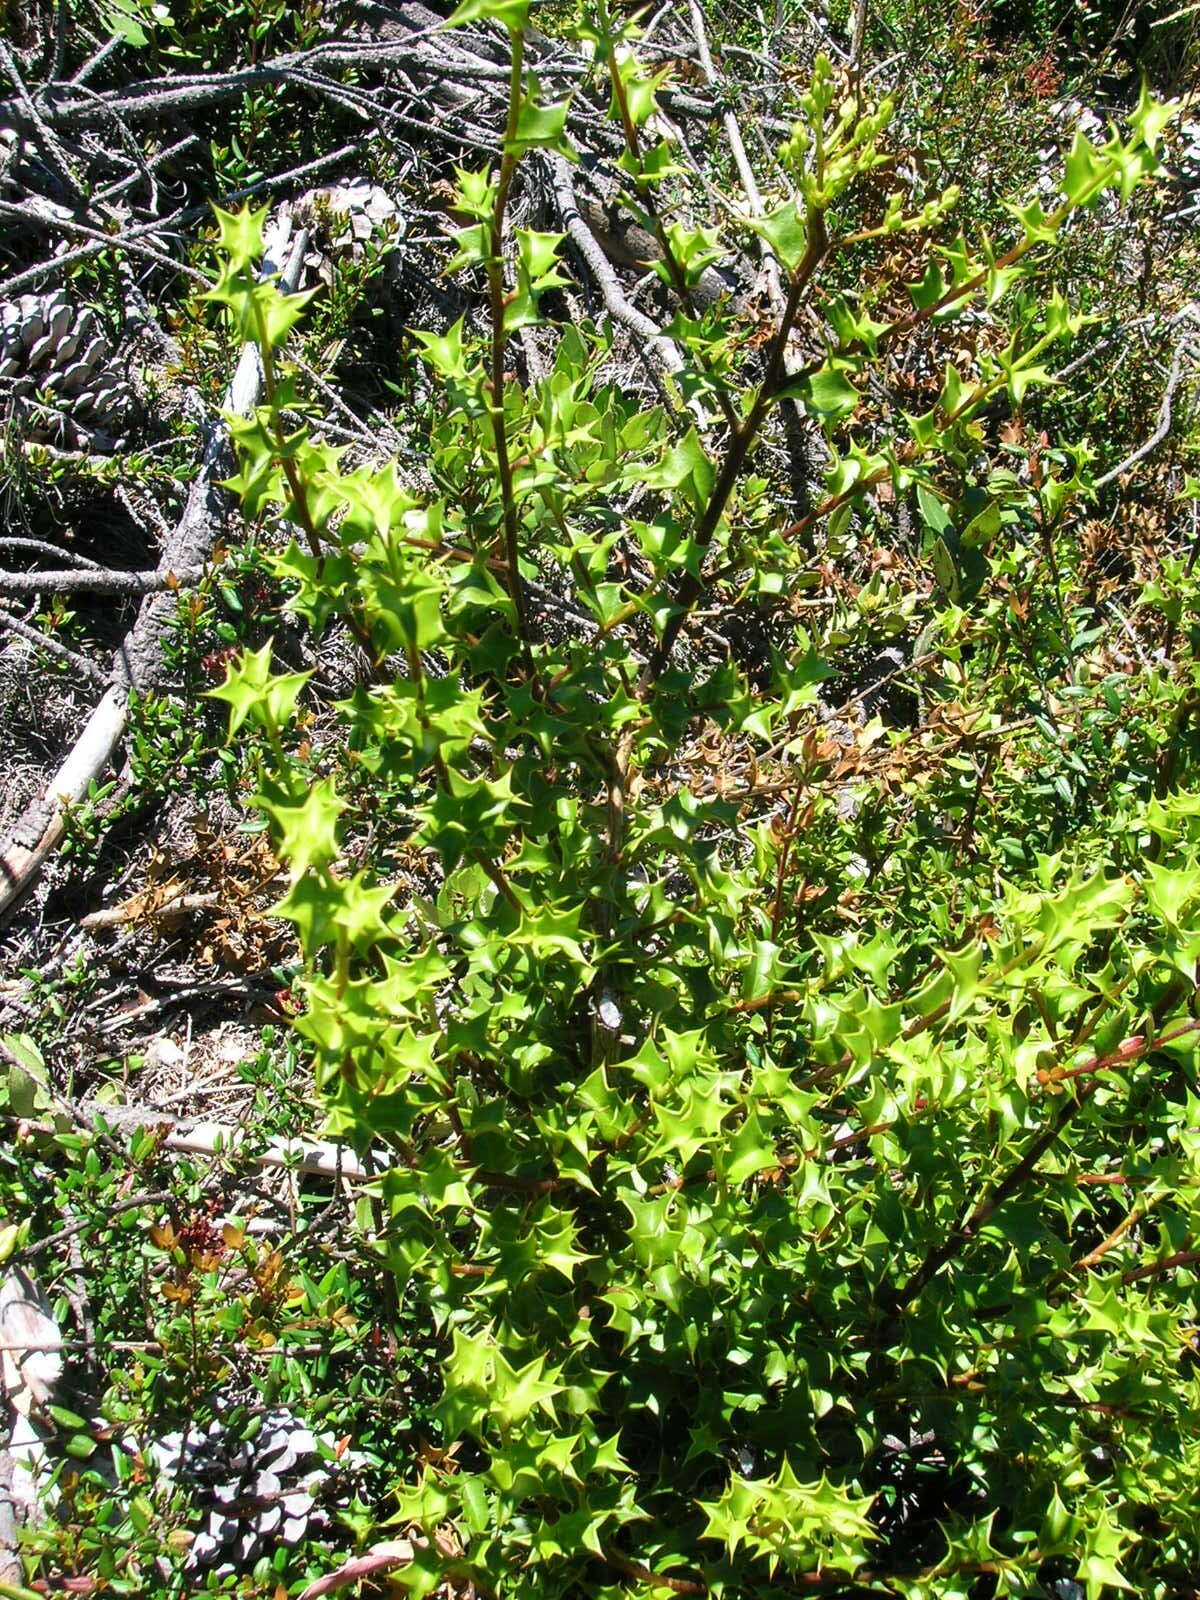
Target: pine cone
[56, 367]
[256, 1493]
[343, 218]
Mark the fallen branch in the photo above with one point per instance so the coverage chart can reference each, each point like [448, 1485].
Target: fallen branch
[219, 989]
[1185, 347]
[137, 663]
[43, 641]
[805, 444]
[79, 580]
[132, 911]
[10, 1562]
[37, 214]
[376, 1562]
[43, 547]
[31, 1369]
[618, 307]
[314, 1158]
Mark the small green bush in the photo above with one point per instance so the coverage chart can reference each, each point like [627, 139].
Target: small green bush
[774, 1246]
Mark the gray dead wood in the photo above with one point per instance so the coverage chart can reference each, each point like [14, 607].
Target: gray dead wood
[10, 1564]
[51, 646]
[615, 303]
[139, 660]
[79, 580]
[1187, 350]
[308, 1157]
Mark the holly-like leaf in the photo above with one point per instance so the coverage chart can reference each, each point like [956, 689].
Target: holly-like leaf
[240, 235]
[827, 394]
[639, 88]
[685, 466]
[1088, 170]
[799, 1526]
[750, 1151]
[307, 829]
[543, 127]
[786, 230]
[252, 692]
[446, 353]
[1151, 117]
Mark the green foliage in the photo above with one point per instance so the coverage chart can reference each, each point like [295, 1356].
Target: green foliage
[199, 1318]
[766, 1246]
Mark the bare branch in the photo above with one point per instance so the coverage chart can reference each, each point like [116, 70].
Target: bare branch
[1185, 350]
[81, 664]
[136, 664]
[77, 580]
[615, 303]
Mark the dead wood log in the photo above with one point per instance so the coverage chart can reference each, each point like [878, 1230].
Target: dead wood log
[309, 1157]
[618, 307]
[139, 659]
[10, 1561]
[304, 1156]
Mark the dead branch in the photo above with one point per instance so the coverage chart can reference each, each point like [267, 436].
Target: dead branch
[50, 148]
[1185, 350]
[314, 1158]
[181, 906]
[10, 1563]
[39, 215]
[78, 580]
[138, 661]
[9, 541]
[81, 664]
[661, 347]
[806, 447]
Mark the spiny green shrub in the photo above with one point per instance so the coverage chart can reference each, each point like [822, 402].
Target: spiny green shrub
[769, 1255]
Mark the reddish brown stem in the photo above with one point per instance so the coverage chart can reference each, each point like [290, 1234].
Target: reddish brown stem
[740, 443]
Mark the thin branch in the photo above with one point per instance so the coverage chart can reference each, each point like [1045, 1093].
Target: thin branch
[647, 1575]
[96, 61]
[9, 541]
[1138, 1214]
[37, 832]
[50, 149]
[81, 664]
[134, 1202]
[1184, 347]
[31, 211]
[857, 37]
[1152, 1269]
[618, 307]
[985, 1209]
[78, 580]
[738, 449]
[1089, 1075]
[495, 382]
